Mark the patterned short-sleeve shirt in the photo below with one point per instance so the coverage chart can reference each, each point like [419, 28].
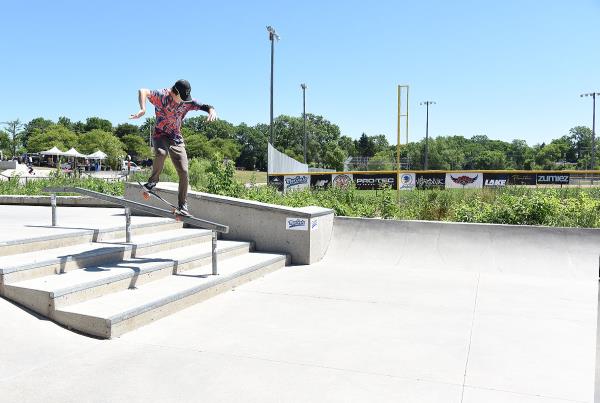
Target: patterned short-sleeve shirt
[170, 114]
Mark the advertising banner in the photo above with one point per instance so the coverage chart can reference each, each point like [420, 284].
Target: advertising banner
[495, 180]
[276, 181]
[553, 179]
[296, 224]
[320, 181]
[464, 180]
[341, 180]
[368, 181]
[295, 182]
[407, 181]
[430, 181]
[522, 179]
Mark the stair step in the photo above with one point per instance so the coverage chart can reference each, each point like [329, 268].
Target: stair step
[114, 314]
[165, 240]
[74, 236]
[44, 294]
[24, 266]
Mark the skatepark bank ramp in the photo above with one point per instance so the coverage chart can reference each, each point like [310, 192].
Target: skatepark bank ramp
[571, 253]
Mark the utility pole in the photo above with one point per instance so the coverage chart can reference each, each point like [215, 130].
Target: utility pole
[593, 95]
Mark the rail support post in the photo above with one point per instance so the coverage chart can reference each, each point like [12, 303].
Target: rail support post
[214, 253]
[53, 204]
[127, 225]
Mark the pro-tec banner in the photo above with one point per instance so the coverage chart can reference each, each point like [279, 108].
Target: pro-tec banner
[375, 181]
[464, 180]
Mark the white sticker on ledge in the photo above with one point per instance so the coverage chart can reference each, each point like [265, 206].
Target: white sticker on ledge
[314, 224]
[296, 224]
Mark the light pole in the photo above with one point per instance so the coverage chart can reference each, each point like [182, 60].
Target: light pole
[427, 103]
[303, 86]
[593, 95]
[272, 37]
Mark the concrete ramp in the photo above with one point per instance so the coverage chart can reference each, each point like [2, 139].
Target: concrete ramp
[486, 248]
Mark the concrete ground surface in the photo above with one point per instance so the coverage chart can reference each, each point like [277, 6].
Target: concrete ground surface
[356, 327]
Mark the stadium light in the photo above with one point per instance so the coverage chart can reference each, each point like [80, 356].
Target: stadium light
[427, 103]
[303, 86]
[273, 36]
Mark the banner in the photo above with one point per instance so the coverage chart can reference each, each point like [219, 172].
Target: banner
[368, 181]
[522, 179]
[295, 182]
[495, 180]
[430, 181]
[320, 181]
[407, 181]
[341, 180]
[464, 180]
[276, 181]
[553, 179]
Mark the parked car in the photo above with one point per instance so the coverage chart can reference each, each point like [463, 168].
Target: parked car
[132, 168]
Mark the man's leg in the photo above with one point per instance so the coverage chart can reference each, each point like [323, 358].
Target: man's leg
[161, 148]
[180, 161]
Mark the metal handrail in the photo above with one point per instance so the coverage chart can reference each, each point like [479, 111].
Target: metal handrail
[132, 205]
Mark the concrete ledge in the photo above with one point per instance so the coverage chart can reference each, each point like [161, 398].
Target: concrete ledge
[303, 233]
[72, 201]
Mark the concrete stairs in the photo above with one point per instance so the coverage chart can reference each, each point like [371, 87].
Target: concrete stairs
[98, 284]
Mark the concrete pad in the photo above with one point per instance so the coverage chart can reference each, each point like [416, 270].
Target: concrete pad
[139, 372]
[473, 395]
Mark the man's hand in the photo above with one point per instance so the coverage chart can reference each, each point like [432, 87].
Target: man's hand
[212, 115]
[141, 113]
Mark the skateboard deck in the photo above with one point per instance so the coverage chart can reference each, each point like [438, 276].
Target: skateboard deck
[175, 210]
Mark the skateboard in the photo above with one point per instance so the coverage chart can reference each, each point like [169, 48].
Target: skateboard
[175, 210]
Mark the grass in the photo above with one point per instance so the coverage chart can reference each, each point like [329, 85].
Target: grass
[250, 176]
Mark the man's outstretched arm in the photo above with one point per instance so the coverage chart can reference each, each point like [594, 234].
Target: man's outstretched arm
[142, 96]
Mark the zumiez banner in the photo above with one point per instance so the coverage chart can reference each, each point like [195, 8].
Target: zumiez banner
[466, 180]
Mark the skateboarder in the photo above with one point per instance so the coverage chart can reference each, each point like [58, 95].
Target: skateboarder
[171, 105]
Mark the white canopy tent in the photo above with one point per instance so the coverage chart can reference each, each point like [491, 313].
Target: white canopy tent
[53, 151]
[73, 153]
[98, 155]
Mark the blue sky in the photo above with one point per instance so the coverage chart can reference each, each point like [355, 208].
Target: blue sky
[506, 69]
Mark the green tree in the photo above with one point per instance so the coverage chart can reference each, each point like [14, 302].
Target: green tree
[95, 123]
[34, 126]
[107, 142]
[125, 129]
[14, 129]
[4, 142]
[253, 147]
[489, 159]
[54, 136]
[136, 147]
